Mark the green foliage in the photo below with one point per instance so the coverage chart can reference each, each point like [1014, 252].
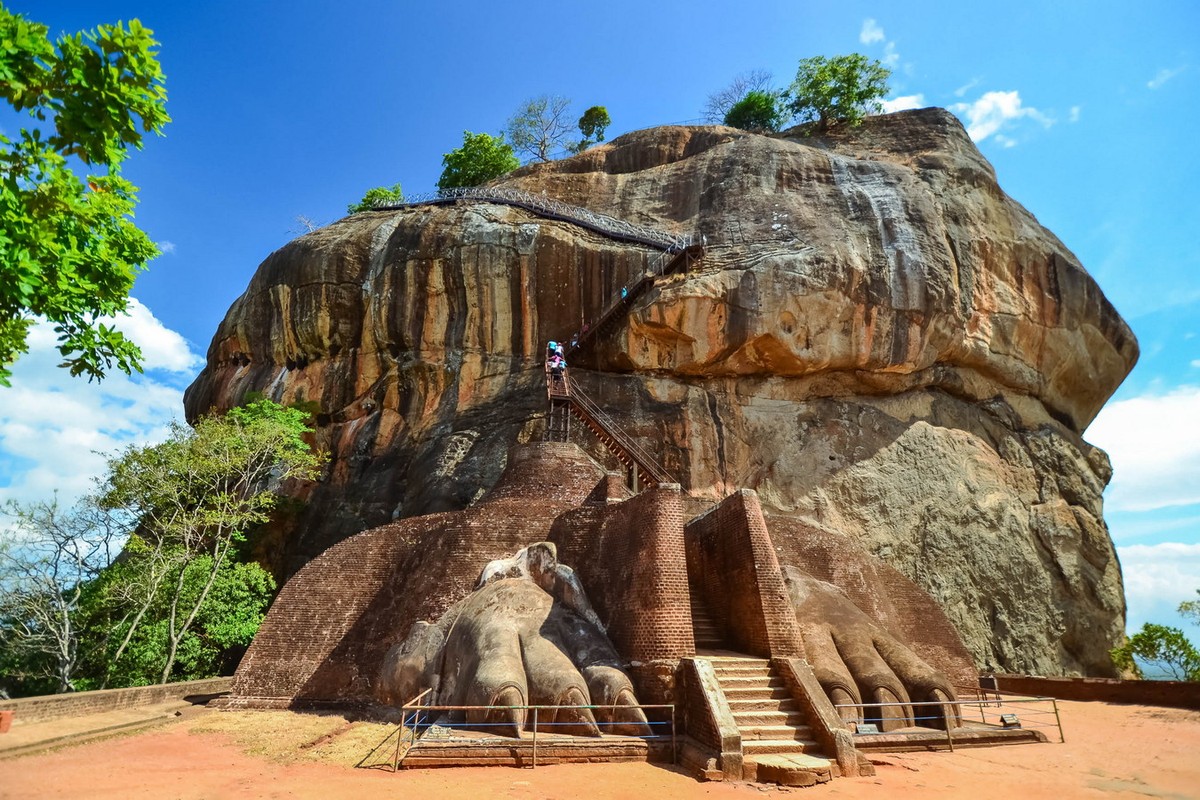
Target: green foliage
[228, 616]
[480, 159]
[718, 105]
[1190, 610]
[592, 125]
[757, 111]
[1162, 648]
[68, 250]
[841, 89]
[378, 196]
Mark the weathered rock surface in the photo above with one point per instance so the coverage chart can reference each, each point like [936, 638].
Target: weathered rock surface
[878, 340]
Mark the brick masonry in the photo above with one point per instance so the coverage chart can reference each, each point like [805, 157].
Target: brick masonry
[733, 566]
[1173, 694]
[74, 704]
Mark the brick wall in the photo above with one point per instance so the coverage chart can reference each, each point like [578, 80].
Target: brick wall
[326, 634]
[630, 557]
[75, 704]
[733, 564]
[1173, 694]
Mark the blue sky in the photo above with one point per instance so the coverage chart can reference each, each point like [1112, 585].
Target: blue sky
[1086, 109]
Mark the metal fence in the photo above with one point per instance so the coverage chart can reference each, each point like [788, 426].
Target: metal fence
[423, 722]
[992, 708]
[554, 209]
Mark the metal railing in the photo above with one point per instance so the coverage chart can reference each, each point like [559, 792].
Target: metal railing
[419, 716]
[990, 704]
[642, 460]
[553, 209]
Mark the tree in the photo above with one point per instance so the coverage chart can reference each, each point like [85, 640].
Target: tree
[1163, 648]
[196, 494]
[592, 125]
[540, 127]
[720, 103]
[757, 111]
[1190, 610]
[380, 195]
[68, 250]
[480, 159]
[835, 90]
[47, 557]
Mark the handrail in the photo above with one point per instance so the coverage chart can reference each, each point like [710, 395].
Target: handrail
[553, 209]
[643, 461]
[534, 722]
[984, 707]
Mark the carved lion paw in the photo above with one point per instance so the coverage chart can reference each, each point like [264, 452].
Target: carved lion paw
[857, 661]
[525, 636]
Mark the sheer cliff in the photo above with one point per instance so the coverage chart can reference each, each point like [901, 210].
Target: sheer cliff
[878, 340]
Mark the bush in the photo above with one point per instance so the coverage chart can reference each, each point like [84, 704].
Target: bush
[757, 111]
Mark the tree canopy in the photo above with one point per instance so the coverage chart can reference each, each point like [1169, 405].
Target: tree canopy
[842, 89]
[757, 111]
[179, 601]
[592, 125]
[540, 127]
[378, 195]
[719, 104]
[481, 158]
[68, 249]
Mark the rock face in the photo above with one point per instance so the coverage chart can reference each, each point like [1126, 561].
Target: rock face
[878, 340]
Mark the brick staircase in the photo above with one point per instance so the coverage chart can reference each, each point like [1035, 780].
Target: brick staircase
[777, 743]
[707, 635]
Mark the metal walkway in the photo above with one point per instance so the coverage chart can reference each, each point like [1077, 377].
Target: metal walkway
[566, 399]
[550, 208]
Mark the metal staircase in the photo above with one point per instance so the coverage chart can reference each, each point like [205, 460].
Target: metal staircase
[567, 399]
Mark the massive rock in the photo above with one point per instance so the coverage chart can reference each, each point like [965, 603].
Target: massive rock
[878, 340]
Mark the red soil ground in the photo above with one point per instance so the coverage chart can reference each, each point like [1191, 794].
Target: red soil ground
[1111, 752]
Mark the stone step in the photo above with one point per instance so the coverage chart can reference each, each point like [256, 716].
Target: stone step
[729, 682]
[756, 692]
[780, 733]
[760, 717]
[752, 747]
[785, 705]
[734, 670]
[791, 769]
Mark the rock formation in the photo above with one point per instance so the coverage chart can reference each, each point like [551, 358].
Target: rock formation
[878, 340]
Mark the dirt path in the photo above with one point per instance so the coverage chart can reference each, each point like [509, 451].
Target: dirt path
[1111, 752]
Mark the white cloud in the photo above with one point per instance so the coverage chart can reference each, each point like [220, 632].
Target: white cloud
[994, 111]
[890, 57]
[1005, 141]
[1074, 114]
[1154, 444]
[162, 348]
[966, 87]
[51, 423]
[1157, 579]
[903, 103]
[166, 247]
[1194, 363]
[871, 32]
[1163, 76]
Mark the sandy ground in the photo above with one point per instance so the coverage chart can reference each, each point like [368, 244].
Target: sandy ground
[1111, 752]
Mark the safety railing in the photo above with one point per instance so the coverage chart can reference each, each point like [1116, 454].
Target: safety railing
[642, 459]
[995, 711]
[553, 209]
[419, 717]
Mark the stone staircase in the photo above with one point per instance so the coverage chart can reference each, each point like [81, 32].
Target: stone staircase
[777, 743]
[707, 635]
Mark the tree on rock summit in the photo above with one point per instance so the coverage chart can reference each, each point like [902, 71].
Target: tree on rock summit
[842, 89]
[481, 158]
